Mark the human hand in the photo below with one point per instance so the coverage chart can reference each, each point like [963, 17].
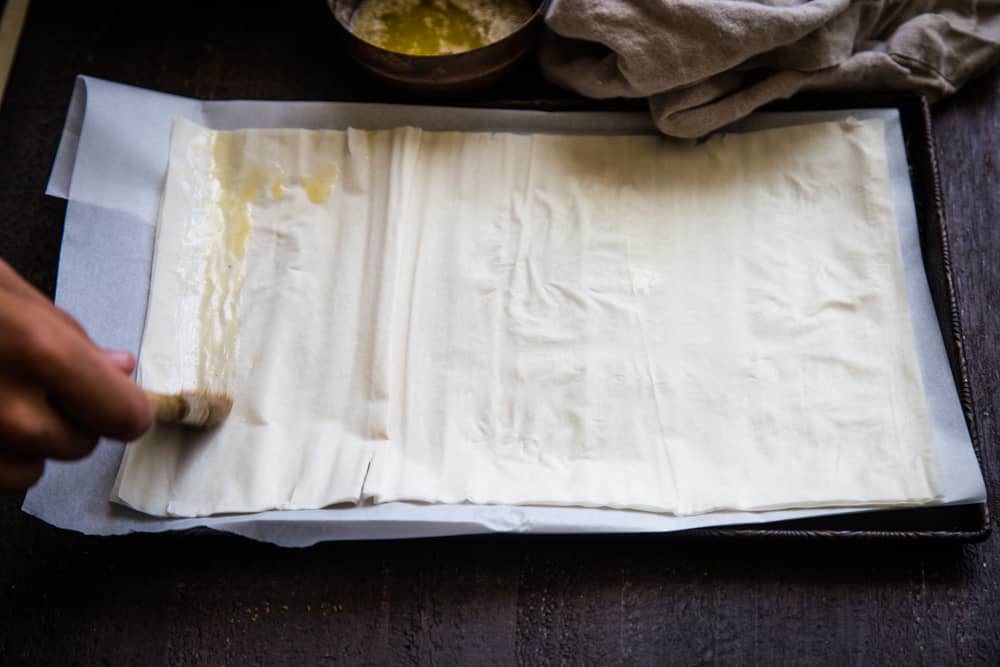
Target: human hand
[58, 391]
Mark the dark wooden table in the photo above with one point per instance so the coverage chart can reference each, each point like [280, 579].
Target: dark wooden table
[176, 599]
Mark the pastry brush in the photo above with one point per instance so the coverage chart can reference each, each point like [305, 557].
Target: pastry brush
[200, 409]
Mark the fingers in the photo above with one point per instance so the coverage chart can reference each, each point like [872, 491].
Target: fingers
[17, 475]
[11, 282]
[18, 286]
[90, 391]
[123, 361]
[58, 391]
[31, 428]
[69, 320]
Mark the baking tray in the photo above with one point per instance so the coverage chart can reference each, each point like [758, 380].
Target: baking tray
[957, 523]
[952, 523]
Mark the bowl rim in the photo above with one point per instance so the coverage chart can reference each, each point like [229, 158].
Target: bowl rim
[539, 10]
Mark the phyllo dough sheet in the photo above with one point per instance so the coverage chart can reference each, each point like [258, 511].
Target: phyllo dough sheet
[272, 281]
[604, 321]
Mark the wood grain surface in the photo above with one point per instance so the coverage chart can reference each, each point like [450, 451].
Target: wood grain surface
[205, 599]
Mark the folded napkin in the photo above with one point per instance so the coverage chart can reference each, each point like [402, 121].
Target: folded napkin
[706, 63]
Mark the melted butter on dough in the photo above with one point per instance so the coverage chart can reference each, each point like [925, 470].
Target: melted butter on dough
[239, 183]
[229, 223]
[317, 185]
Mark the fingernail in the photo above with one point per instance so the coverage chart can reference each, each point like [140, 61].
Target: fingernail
[120, 358]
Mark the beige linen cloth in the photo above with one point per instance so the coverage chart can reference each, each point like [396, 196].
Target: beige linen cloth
[706, 63]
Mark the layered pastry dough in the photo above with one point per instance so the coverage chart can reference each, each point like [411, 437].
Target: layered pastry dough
[603, 321]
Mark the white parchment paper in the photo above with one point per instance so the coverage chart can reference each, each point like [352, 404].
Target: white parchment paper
[111, 166]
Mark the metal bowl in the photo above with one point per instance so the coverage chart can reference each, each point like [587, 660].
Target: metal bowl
[451, 73]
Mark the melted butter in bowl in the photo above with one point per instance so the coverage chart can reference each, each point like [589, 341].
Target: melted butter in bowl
[438, 27]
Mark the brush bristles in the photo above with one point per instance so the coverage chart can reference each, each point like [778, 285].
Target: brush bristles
[206, 409]
[202, 409]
